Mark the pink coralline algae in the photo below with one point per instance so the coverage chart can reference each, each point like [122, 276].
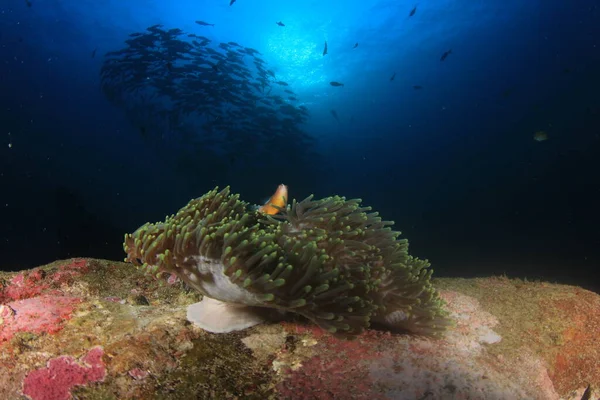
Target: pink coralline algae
[138, 374]
[339, 371]
[34, 301]
[33, 283]
[23, 286]
[172, 279]
[55, 381]
[42, 314]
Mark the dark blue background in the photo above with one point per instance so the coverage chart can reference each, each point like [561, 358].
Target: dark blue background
[454, 163]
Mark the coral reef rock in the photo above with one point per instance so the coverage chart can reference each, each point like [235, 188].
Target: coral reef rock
[96, 329]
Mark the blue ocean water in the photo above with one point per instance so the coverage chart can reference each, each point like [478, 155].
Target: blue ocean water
[486, 158]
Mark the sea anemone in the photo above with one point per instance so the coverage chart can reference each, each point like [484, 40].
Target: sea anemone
[329, 260]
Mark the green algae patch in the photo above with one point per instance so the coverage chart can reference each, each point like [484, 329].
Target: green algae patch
[518, 305]
[218, 366]
[123, 281]
[558, 323]
[94, 393]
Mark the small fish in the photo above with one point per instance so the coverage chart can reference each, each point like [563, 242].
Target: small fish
[94, 52]
[282, 83]
[280, 23]
[393, 77]
[202, 23]
[325, 49]
[278, 200]
[413, 11]
[417, 87]
[446, 54]
[334, 83]
[335, 115]
[231, 2]
[355, 45]
[540, 136]
[28, 2]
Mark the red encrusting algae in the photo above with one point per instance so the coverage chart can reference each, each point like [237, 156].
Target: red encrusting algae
[342, 371]
[33, 301]
[33, 283]
[578, 354]
[42, 314]
[56, 381]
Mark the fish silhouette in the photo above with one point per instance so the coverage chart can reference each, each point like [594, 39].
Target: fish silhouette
[335, 115]
[446, 54]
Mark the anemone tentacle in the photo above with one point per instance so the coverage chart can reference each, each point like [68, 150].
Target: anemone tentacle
[331, 260]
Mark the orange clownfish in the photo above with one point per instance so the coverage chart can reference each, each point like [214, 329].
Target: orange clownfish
[278, 199]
